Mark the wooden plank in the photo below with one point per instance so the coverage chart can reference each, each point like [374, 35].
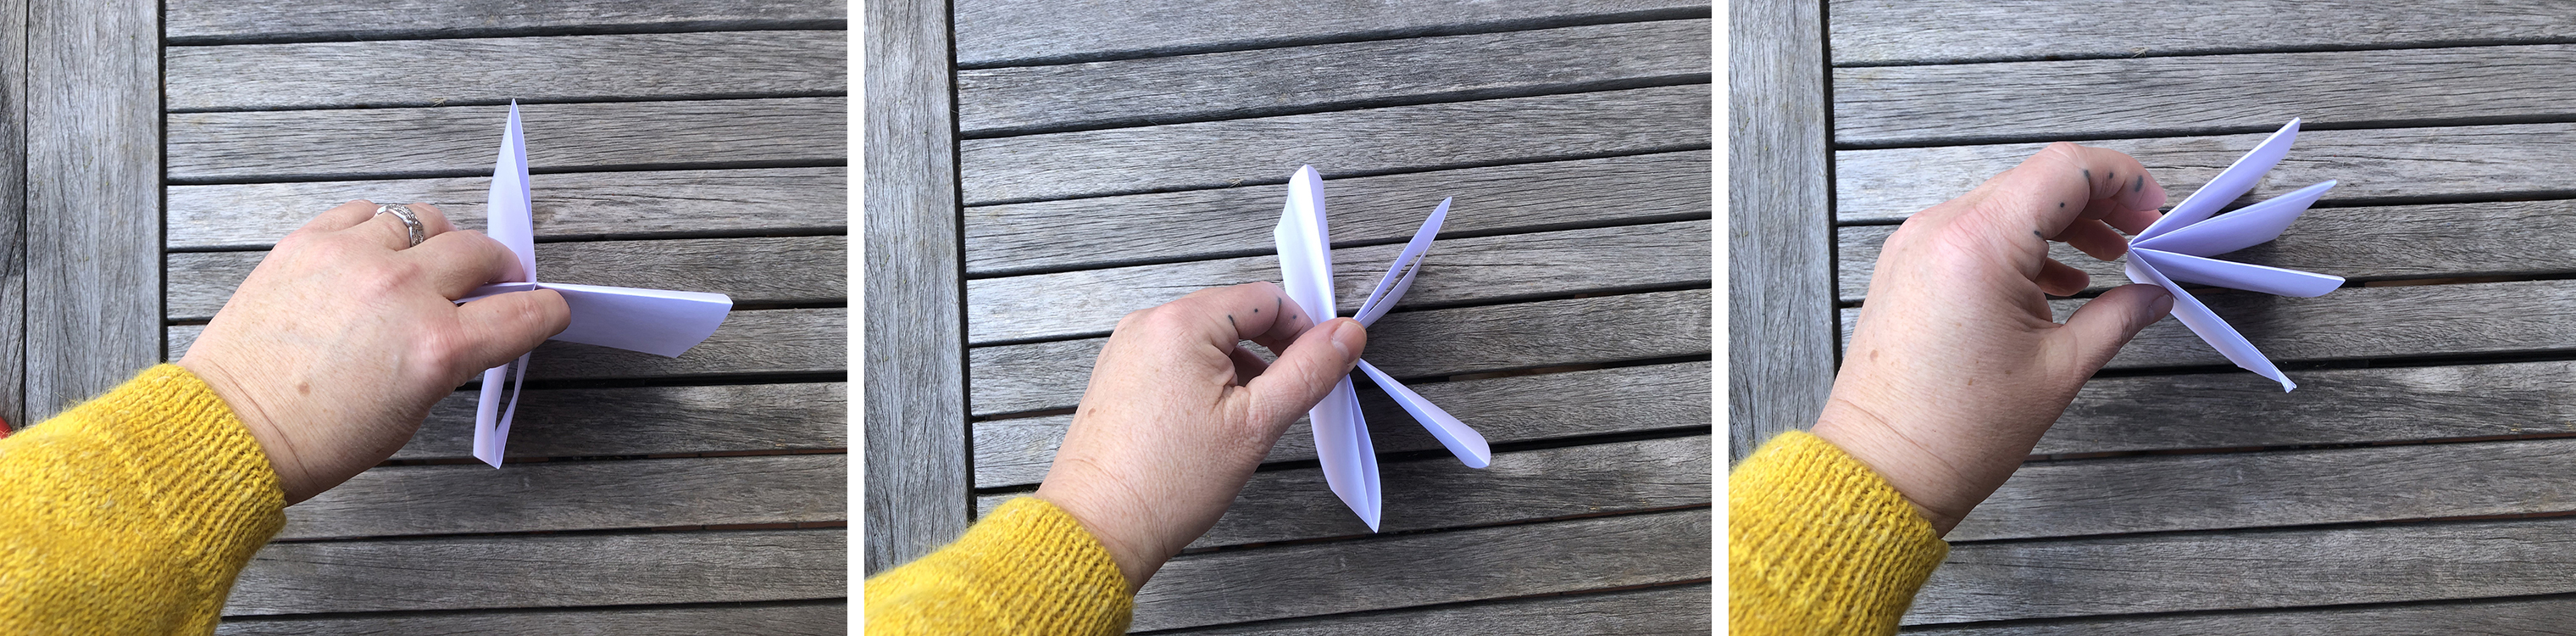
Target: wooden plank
[1003, 32]
[1120, 230]
[1440, 342]
[2509, 238]
[309, 577]
[754, 342]
[1891, 32]
[1946, 104]
[918, 480]
[494, 71]
[1379, 140]
[2247, 570]
[1437, 492]
[1467, 270]
[217, 21]
[654, 420]
[1779, 250]
[459, 142]
[1421, 569]
[1134, 92]
[817, 618]
[2383, 166]
[13, 213]
[2332, 406]
[2530, 616]
[93, 185]
[392, 501]
[586, 205]
[2279, 488]
[1673, 609]
[1506, 410]
[754, 271]
[2360, 322]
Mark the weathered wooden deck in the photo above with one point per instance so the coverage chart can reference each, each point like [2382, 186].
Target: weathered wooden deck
[1110, 156]
[2417, 480]
[679, 144]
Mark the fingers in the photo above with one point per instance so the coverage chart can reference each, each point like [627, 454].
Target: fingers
[389, 230]
[1306, 370]
[1247, 365]
[341, 217]
[1259, 312]
[2053, 188]
[2097, 240]
[2100, 327]
[2057, 279]
[501, 328]
[458, 262]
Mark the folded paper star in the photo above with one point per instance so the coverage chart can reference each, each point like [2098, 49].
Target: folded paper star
[2176, 249]
[1341, 435]
[663, 323]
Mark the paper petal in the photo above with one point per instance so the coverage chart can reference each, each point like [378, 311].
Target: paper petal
[1462, 441]
[1305, 266]
[2246, 227]
[2230, 183]
[491, 418]
[659, 322]
[506, 207]
[2185, 268]
[1342, 446]
[2210, 328]
[1406, 261]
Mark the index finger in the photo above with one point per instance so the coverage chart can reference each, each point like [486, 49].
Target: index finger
[1260, 312]
[2050, 190]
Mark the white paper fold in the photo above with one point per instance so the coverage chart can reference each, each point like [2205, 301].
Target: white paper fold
[2177, 249]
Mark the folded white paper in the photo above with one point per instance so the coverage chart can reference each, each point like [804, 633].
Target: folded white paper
[2176, 249]
[1341, 434]
[663, 323]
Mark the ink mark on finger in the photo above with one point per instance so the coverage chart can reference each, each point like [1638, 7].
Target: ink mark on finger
[2140, 186]
[1229, 321]
[2037, 234]
[2088, 176]
[2061, 205]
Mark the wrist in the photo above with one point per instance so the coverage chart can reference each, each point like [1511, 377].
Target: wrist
[1909, 466]
[1136, 557]
[274, 443]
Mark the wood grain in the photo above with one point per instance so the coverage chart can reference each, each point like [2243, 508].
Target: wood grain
[2362, 322]
[2278, 488]
[755, 342]
[2534, 616]
[1780, 257]
[754, 271]
[1674, 609]
[1897, 32]
[1237, 84]
[93, 212]
[576, 206]
[915, 373]
[1119, 230]
[216, 21]
[389, 501]
[307, 577]
[1946, 104]
[460, 141]
[1266, 150]
[13, 213]
[383, 74]
[648, 421]
[1505, 410]
[1422, 569]
[1050, 375]
[2378, 166]
[2511, 238]
[2247, 570]
[818, 618]
[1438, 492]
[2233, 409]
[1012, 32]
[1468, 270]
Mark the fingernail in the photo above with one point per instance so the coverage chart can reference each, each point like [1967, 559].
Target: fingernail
[1348, 336]
[2164, 302]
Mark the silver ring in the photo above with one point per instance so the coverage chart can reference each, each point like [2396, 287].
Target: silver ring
[409, 220]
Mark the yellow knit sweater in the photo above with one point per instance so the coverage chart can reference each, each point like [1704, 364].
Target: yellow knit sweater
[1028, 568]
[1817, 543]
[132, 513]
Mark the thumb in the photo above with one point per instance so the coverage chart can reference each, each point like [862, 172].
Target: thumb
[502, 327]
[2102, 326]
[1307, 370]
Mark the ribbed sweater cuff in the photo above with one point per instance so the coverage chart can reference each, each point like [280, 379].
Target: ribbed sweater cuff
[1817, 543]
[1027, 568]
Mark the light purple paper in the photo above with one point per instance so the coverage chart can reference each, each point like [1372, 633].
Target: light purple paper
[2176, 249]
[1341, 434]
[659, 322]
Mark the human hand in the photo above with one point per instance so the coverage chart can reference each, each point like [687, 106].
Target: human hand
[1178, 415]
[336, 346]
[1956, 367]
